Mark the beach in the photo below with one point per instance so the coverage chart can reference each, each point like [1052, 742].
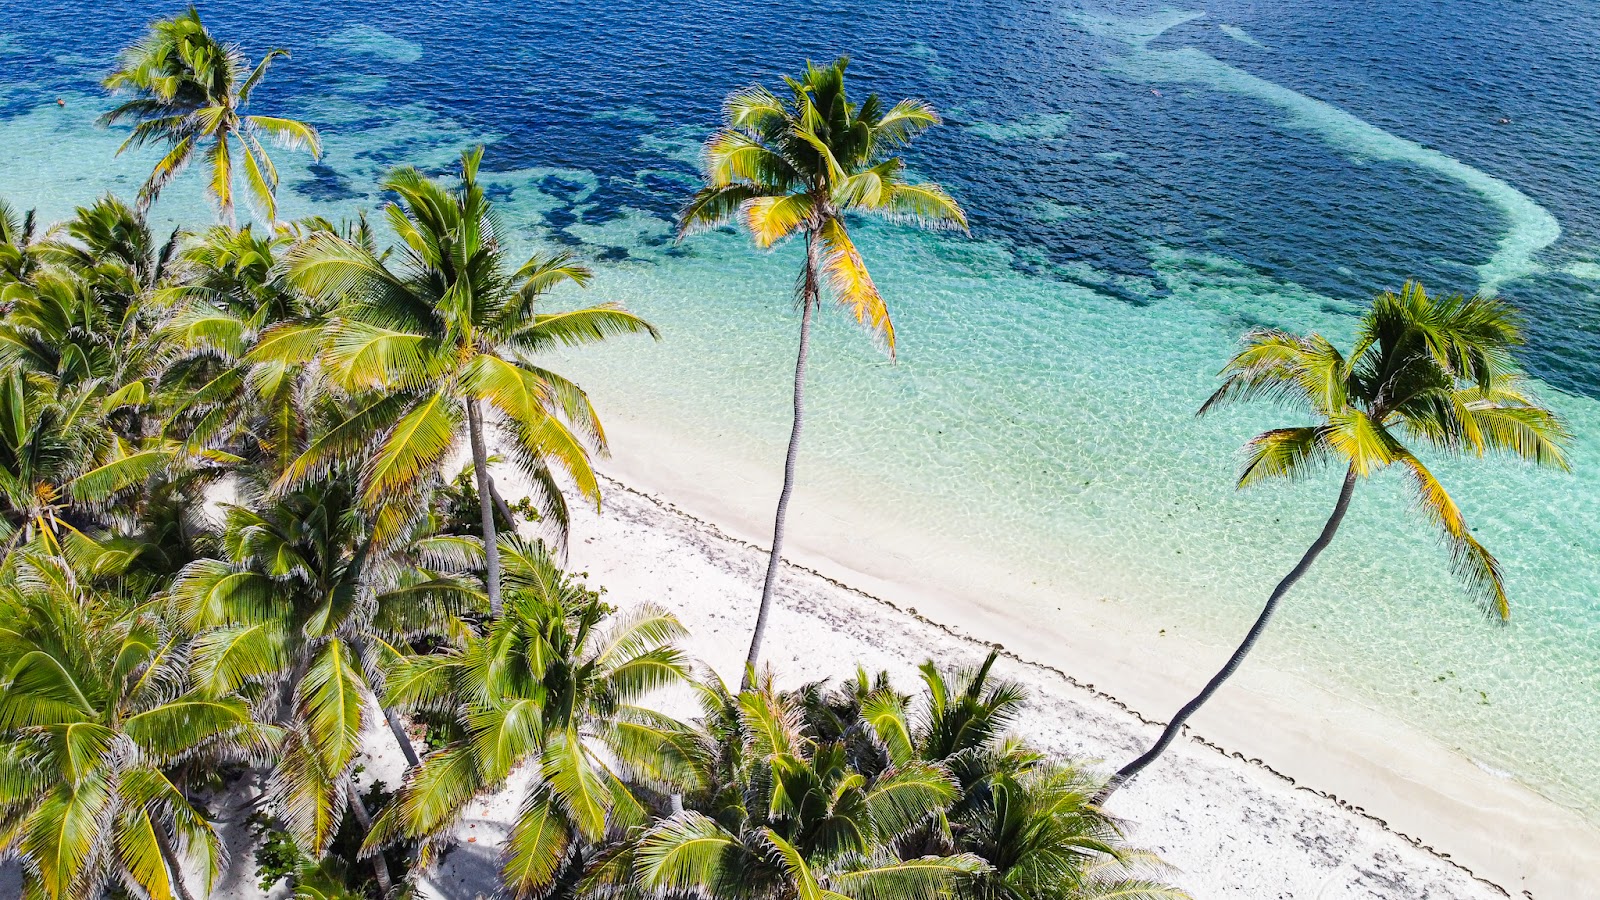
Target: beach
[1281, 790]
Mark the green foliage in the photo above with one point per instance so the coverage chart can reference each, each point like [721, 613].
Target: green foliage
[188, 92]
[1433, 373]
[799, 164]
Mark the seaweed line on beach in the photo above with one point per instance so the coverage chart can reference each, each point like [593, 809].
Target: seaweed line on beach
[717, 532]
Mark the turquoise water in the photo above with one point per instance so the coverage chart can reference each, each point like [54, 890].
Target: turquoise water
[1144, 187]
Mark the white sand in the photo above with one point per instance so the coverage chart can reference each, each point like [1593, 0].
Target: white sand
[1232, 828]
[1431, 825]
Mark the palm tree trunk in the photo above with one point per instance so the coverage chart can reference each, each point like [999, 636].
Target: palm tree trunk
[174, 865]
[491, 546]
[501, 505]
[808, 302]
[380, 866]
[400, 736]
[1170, 733]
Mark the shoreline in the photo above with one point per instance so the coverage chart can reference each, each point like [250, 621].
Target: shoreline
[1348, 756]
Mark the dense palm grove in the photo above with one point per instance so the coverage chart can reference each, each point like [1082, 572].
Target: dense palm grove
[238, 551]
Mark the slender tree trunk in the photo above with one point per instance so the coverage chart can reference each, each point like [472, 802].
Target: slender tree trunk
[808, 302]
[502, 505]
[491, 546]
[401, 737]
[1170, 733]
[380, 866]
[174, 865]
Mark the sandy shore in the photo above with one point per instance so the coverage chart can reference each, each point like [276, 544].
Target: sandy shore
[1281, 790]
[1284, 789]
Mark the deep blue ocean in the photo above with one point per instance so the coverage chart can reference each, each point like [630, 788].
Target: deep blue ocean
[1144, 182]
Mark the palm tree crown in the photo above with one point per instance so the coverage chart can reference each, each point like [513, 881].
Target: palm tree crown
[452, 326]
[96, 707]
[799, 165]
[1435, 373]
[189, 89]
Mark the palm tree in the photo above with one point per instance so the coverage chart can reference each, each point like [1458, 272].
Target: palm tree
[778, 814]
[20, 254]
[1043, 837]
[429, 341]
[310, 600]
[799, 166]
[80, 346]
[190, 90]
[1030, 819]
[96, 708]
[230, 290]
[1438, 373]
[546, 685]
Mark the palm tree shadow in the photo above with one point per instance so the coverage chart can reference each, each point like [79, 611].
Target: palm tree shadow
[467, 872]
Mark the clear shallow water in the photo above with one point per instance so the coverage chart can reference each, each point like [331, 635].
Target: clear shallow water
[1144, 185]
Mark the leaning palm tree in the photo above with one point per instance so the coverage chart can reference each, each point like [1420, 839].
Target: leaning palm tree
[189, 92]
[429, 341]
[1438, 373]
[798, 166]
[550, 685]
[96, 711]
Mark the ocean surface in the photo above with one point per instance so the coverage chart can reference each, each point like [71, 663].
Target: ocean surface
[1145, 183]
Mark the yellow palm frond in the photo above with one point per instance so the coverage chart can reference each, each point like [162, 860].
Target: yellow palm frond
[771, 219]
[362, 356]
[1471, 562]
[1363, 443]
[221, 187]
[926, 205]
[756, 108]
[734, 156]
[416, 445]
[850, 282]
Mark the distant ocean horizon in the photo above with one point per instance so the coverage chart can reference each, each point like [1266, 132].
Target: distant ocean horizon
[1145, 184]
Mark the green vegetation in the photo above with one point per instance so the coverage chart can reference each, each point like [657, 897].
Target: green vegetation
[188, 92]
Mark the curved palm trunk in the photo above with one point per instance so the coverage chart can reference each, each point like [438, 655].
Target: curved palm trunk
[174, 865]
[491, 546]
[808, 300]
[380, 866]
[1170, 733]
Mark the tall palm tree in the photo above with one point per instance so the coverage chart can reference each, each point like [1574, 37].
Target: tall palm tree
[453, 326]
[548, 684]
[1437, 373]
[308, 600]
[96, 708]
[189, 92]
[799, 166]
